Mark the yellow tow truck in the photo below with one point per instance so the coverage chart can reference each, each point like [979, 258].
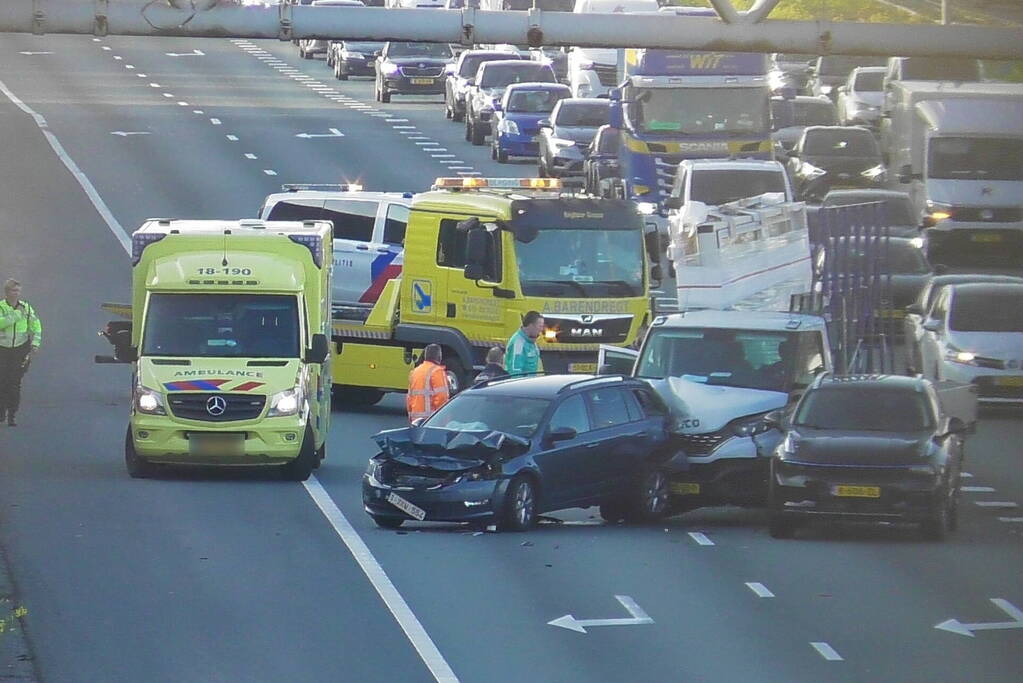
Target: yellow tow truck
[480, 253]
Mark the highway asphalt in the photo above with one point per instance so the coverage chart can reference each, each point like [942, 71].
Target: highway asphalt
[236, 576]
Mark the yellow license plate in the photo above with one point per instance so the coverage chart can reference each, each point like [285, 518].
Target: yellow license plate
[1015, 381]
[216, 445]
[986, 237]
[582, 367]
[857, 491]
[685, 488]
[422, 81]
[893, 314]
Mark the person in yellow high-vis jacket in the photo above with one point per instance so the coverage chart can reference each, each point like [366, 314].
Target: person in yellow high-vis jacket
[21, 332]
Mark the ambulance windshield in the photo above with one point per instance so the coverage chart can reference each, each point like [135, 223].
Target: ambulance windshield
[221, 326]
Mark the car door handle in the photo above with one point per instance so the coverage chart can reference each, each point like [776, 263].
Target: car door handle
[595, 444]
[383, 251]
[363, 247]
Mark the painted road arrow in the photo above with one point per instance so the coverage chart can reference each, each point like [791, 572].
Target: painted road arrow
[579, 625]
[193, 53]
[334, 133]
[126, 133]
[956, 626]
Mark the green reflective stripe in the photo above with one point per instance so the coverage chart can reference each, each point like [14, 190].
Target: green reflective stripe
[17, 329]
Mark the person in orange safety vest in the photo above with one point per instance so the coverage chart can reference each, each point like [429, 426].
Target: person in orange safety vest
[427, 385]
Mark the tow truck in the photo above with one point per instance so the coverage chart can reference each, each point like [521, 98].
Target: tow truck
[479, 254]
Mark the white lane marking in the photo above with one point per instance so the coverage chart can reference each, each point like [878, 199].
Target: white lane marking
[402, 613]
[1011, 520]
[419, 137]
[96, 40]
[636, 617]
[995, 504]
[106, 48]
[193, 53]
[155, 85]
[90, 190]
[428, 143]
[966, 475]
[232, 138]
[443, 156]
[129, 66]
[958, 627]
[142, 75]
[118, 58]
[403, 127]
[459, 166]
[977, 489]
[215, 122]
[250, 155]
[397, 120]
[126, 133]
[334, 133]
[198, 111]
[269, 171]
[182, 103]
[40, 52]
[760, 590]
[469, 173]
[700, 538]
[167, 94]
[827, 652]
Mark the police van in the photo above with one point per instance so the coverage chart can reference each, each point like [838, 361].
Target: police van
[369, 236]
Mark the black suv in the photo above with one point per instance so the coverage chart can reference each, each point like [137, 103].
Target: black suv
[506, 450]
[411, 69]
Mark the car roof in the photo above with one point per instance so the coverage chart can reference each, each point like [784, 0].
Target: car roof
[833, 382]
[550, 386]
[586, 100]
[870, 69]
[970, 278]
[865, 192]
[537, 86]
[734, 164]
[982, 288]
[836, 129]
[741, 320]
[508, 62]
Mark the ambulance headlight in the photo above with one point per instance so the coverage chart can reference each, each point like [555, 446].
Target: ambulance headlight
[285, 403]
[148, 401]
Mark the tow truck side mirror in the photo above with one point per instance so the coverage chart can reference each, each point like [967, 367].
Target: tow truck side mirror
[118, 333]
[476, 248]
[318, 349]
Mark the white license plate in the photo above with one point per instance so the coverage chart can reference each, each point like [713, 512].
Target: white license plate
[413, 511]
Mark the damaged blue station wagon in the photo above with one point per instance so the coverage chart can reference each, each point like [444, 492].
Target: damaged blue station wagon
[507, 450]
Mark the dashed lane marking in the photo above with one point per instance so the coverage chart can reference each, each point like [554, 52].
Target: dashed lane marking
[966, 475]
[1011, 520]
[977, 489]
[106, 48]
[198, 111]
[443, 156]
[269, 171]
[167, 94]
[155, 85]
[250, 155]
[1004, 504]
[700, 538]
[760, 590]
[118, 58]
[215, 122]
[232, 138]
[129, 66]
[397, 120]
[827, 652]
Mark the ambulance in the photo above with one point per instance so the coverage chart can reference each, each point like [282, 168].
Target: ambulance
[481, 252]
[228, 341]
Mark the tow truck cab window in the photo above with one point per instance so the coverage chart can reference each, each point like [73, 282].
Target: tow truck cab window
[395, 224]
[571, 413]
[451, 249]
[353, 220]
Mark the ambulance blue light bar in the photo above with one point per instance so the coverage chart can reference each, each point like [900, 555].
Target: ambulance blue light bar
[313, 243]
[472, 183]
[139, 242]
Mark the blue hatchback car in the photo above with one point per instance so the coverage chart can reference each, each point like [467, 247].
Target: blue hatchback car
[504, 451]
[516, 119]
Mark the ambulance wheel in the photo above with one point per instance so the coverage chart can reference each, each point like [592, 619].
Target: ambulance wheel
[301, 467]
[138, 468]
[321, 455]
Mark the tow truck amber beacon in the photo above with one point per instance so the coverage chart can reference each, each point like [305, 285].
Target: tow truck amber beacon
[228, 330]
[479, 254]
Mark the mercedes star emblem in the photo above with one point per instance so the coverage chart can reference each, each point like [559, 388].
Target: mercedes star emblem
[216, 405]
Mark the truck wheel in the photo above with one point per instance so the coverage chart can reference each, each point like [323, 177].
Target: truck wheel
[457, 115]
[138, 468]
[519, 513]
[457, 377]
[650, 498]
[301, 467]
[387, 522]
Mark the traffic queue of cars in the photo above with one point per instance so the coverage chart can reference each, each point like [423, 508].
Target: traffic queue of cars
[848, 447]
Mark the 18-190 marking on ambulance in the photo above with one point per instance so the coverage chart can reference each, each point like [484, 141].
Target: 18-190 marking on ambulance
[225, 271]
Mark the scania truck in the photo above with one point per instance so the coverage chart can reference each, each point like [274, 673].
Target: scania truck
[479, 254]
[688, 105]
[228, 341]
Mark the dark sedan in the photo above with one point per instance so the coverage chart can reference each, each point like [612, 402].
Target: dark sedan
[898, 263]
[505, 451]
[828, 157]
[875, 448]
[566, 137]
[411, 69]
[354, 58]
[898, 207]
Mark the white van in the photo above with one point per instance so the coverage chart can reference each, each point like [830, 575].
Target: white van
[369, 237]
[592, 72]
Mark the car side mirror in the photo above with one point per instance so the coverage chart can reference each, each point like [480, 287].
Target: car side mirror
[915, 309]
[544, 123]
[932, 325]
[449, 69]
[673, 202]
[470, 82]
[775, 419]
[318, 349]
[418, 421]
[561, 434]
[497, 106]
[956, 426]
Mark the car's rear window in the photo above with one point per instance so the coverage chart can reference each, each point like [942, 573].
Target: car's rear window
[503, 75]
[583, 114]
[471, 63]
[866, 408]
[814, 113]
[841, 143]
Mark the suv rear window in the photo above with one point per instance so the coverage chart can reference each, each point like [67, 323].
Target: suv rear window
[296, 210]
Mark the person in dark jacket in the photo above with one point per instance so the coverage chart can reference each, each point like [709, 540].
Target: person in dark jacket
[495, 365]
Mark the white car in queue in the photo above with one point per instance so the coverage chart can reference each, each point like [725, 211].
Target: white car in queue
[369, 236]
[973, 333]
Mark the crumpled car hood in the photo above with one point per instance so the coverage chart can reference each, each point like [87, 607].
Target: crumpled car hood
[444, 449]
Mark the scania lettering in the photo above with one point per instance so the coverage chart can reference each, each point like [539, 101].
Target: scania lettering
[230, 367]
